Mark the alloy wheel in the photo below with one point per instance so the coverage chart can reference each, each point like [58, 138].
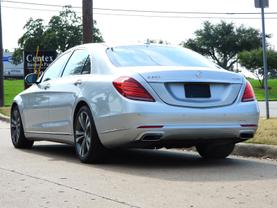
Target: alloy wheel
[83, 134]
[15, 126]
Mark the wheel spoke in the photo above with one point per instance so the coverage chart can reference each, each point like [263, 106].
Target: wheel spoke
[14, 118]
[17, 135]
[82, 148]
[81, 151]
[14, 134]
[13, 123]
[87, 123]
[81, 120]
[15, 114]
[88, 143]
[79, 136]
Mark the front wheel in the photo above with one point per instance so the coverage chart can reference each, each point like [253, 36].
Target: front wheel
[87, 144]
[17, 133]
[215, 151]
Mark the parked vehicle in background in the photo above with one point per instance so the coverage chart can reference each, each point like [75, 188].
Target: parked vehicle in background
[99, 96]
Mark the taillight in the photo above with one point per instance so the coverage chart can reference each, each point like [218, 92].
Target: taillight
[248, 94]
[132, 89]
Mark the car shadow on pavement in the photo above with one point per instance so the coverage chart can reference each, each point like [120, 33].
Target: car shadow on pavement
[167, 164]
[55, 151]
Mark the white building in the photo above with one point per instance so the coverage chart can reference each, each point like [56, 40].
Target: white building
[11, 70]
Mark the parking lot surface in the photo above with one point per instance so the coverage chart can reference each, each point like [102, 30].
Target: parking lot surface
[50, 175]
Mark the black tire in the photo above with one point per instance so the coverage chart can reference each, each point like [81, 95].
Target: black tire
[17, 132]
[215, 150]
[87, 144]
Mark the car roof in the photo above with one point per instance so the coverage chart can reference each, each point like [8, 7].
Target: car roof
[105, 45]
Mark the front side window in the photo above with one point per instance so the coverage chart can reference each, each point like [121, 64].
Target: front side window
[79, 63]
[55, 69]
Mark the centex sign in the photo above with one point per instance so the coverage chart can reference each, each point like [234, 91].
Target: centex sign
[38, 58]
[44, 58]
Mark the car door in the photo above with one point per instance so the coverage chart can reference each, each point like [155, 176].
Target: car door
[36, 112]
[65, 92]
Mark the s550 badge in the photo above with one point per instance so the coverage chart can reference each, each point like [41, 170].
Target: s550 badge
[153, 77]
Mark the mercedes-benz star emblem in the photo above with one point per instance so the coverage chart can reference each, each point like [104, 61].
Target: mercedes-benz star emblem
[198, 75]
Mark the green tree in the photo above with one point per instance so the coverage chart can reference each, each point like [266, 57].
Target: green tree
[253, 61]
[30, 39]
[61, 33]
[222, 42]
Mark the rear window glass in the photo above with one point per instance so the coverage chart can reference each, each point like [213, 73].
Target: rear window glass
[152, 55]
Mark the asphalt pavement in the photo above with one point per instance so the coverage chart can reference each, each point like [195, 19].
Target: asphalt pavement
[50, 175]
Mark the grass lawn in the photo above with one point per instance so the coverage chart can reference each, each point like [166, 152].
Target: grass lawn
[259, 92]
[11, 89]
[266, 133]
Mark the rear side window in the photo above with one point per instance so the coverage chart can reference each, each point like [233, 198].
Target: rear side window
[153, 55]
[87, 66]
[79, 63]
[55, 69]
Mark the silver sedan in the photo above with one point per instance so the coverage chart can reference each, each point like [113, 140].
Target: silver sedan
[99, 96]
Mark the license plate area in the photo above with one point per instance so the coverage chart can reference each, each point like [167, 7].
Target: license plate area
[197, 90]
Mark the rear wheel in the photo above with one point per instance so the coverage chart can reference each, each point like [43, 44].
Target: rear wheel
[215, 151]
[87, 144]
[17, 133]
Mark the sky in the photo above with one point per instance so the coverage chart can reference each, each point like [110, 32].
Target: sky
[139, 29]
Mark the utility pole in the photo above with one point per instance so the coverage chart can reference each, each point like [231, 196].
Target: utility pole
[1, 63]
[264, 4]
[87, 21]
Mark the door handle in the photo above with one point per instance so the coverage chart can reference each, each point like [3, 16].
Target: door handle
[78, 82]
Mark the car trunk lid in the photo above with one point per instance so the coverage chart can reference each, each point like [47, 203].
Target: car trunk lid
[194, 87]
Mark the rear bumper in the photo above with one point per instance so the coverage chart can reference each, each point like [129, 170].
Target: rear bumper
[187, 135]
[182, 125]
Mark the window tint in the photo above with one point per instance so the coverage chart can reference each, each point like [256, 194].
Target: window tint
[78, 63]
[55, 69]
[152, 55]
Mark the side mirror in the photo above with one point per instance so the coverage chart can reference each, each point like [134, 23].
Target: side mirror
[31, 78]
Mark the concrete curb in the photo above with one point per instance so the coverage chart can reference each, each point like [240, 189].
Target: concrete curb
[4, 118]
[241, 149]
[256, 150]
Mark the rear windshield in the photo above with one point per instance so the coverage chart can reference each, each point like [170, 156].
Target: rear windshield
[153, 55]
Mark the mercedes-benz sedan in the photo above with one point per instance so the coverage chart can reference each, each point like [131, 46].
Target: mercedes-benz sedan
[98, 96]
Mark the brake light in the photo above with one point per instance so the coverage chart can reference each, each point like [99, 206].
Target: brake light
[248, 94]
[132, 89]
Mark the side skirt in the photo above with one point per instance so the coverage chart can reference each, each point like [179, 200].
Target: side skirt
[50, 136]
